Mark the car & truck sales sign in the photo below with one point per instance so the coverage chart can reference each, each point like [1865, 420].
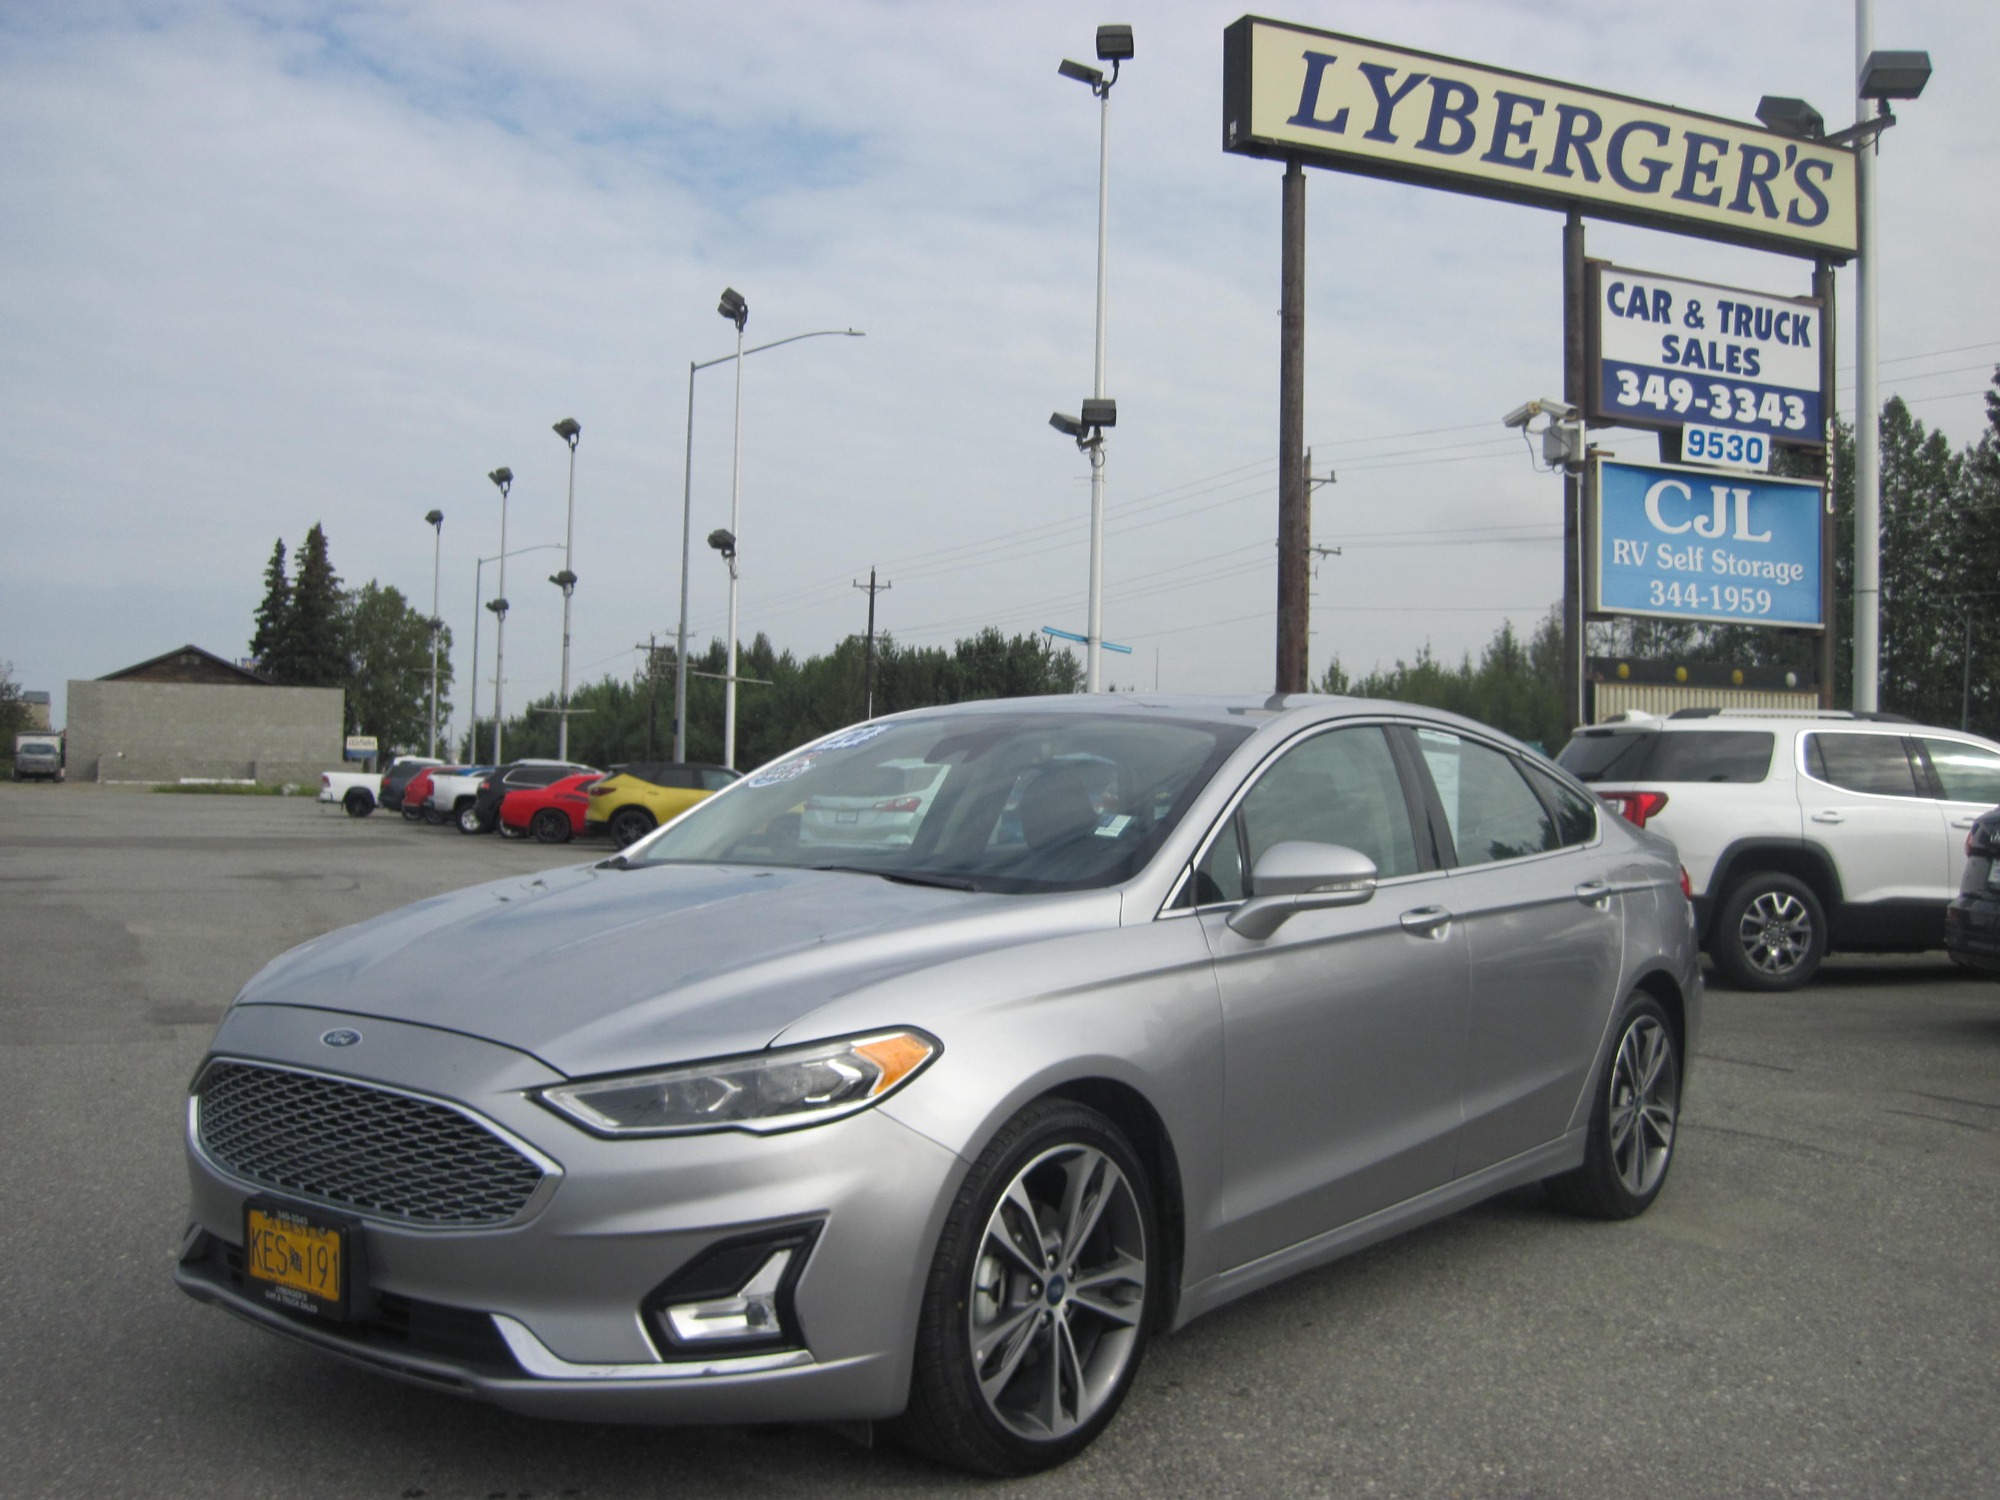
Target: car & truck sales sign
[1671, 353]
[1336, 101]
[1694, 544]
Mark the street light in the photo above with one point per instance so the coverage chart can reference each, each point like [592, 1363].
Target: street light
[503, 479]
[436, 519]
[730, 299]
[1114, 45]
[478, 588]
[569, 431]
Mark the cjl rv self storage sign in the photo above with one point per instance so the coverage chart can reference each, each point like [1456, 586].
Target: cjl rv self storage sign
[1692, 544]
[1671, 352]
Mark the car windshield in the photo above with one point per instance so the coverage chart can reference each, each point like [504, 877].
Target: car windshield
[999, 802]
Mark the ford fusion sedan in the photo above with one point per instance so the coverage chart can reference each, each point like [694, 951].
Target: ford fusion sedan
[1159, 1002]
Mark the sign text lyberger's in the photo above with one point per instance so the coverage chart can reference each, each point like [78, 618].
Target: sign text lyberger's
[1359, 106]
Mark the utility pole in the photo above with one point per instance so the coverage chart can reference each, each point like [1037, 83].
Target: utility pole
[873, 588]
[652, 650]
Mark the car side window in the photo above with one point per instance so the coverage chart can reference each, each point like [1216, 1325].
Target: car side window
[1339, 787]
[1969, 773]
[1576, 815]
[715, 781]
[1873, 763]
[1493, 812]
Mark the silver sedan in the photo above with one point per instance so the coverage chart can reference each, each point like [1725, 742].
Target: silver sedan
[1162, 1001]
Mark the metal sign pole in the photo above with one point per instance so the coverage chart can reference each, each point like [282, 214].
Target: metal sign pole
[1575, 310]
[1294, 530]
[1829, 465]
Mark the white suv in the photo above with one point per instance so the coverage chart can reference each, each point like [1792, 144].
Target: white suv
[1800, 832]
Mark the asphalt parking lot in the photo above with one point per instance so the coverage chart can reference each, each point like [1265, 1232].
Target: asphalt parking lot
[1812, 1307]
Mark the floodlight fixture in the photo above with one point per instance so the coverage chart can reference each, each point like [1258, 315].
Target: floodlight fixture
[565, 580]
[1100, 412]
[1894, 75]
[1092, 76]
[1068, 426]
[504, 477]
[723, 540]
[1114, 44]
[1546, 406]
[1793, 117]
[434, 518]
[569, 430]
[733, 307]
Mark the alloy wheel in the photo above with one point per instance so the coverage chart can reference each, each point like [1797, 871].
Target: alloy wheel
[1058, 1292]
[1643, 1106]
[1776, 932]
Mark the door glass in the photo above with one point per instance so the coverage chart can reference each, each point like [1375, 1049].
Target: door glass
[1219, 877]
[1576, 815]
[1970, 773]
[1492, 812]
[1871, 763]
[1336, 788]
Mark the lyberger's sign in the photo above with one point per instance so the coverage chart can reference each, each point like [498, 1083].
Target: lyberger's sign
[1357, 106]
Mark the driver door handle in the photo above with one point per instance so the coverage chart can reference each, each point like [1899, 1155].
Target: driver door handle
[1427, 921]
[1827, 816]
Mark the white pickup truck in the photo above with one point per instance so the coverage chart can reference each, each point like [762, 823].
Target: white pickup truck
[357, 791]
[452, 798]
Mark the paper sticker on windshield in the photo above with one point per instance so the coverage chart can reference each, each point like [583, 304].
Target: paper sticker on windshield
[847, 739]
[1112, 827]
[782, 771]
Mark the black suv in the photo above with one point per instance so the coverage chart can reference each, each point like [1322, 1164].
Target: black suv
[511, 778]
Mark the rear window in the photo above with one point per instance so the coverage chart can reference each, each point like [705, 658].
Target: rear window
[1729, 755]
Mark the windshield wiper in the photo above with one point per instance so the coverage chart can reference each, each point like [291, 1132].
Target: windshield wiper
[902, 877]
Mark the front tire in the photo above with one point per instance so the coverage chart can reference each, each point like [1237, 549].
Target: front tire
[1633, 1124]
[630, 824]
[1770, 934]
[1040, 1298]
[469, 820]
[550, 826]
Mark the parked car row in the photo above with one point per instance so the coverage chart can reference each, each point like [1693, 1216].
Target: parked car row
[553, 801]
[1807, 833]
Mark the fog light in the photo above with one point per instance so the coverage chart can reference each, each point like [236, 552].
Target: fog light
[734, 1298]
[751, 1314]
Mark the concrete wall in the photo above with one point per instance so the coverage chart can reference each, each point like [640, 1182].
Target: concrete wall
[163, 731]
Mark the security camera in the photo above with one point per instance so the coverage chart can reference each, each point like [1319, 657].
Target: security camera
[1527, 411]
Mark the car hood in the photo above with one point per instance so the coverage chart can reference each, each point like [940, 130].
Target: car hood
[598, 968]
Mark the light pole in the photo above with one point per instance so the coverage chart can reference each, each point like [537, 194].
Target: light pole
[436, 519]
[1114, 45]
[733, 307]
[479, 588]
[503, 478]
[1879, 77]
[569, 431]
[687, 512]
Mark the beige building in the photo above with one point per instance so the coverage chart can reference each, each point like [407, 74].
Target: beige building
[192, 715]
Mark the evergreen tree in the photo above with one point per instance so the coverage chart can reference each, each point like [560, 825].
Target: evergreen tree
[274, 611]
[315, 638]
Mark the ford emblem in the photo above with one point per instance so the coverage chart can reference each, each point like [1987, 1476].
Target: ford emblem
[340, 1037]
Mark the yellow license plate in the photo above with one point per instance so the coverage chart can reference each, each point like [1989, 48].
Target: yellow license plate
[294, 1261]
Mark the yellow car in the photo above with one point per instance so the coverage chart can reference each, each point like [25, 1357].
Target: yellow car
[637, 798]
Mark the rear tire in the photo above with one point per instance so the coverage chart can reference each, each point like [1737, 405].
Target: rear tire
[469, 820]
[550, 827]
[630, 824]
[1634, 1122]
[358, 803]
[1770, 933]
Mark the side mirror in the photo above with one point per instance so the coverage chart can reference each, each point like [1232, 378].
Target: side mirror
[1296, 876]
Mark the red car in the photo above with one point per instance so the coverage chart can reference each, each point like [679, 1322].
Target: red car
[553, 814]
[417, 795]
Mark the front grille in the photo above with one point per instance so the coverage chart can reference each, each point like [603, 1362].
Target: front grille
[367, 1149]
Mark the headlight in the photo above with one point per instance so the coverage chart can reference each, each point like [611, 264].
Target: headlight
[766, 1091]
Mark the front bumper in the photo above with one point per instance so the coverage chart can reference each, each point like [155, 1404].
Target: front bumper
[543, 1315]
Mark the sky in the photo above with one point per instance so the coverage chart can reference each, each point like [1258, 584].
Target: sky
[275, 263]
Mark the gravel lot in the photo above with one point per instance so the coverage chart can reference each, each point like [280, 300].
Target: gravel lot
[1812, 1308]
